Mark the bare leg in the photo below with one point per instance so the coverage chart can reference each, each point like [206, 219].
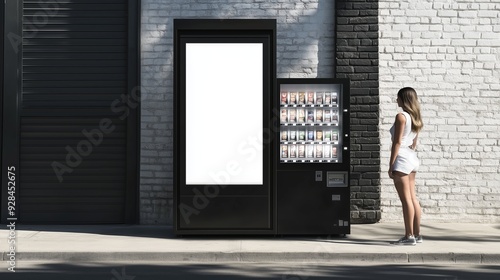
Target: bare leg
[416, 205]
[402, 183]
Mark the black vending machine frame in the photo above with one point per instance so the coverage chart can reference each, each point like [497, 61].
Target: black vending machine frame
[239, 209]
[305, 205]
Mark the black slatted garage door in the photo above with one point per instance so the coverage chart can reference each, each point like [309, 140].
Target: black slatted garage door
[77, 147]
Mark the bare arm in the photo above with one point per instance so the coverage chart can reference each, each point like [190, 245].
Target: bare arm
[414, 144]
[396, 142]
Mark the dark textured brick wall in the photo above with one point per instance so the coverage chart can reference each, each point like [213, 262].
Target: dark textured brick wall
[357, 59]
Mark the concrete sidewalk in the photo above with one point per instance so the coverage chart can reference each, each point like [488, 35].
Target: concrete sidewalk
[443, 243]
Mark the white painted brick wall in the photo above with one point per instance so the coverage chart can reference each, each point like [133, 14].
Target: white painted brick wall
[449, 51]
[305, 31]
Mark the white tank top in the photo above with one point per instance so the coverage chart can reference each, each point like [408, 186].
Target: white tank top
[408, 135]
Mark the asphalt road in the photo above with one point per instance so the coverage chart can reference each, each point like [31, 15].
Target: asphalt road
[226, 271]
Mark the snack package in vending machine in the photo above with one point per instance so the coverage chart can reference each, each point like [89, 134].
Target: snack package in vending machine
[284, 99]
[292, 98]
[284, 151]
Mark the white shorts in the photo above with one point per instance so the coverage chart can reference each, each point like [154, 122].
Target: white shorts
[406, 161]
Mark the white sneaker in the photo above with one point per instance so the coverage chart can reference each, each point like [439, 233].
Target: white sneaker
[410, 240]
[419, 239]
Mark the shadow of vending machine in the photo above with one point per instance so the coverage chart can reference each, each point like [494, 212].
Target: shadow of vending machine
[312, 162]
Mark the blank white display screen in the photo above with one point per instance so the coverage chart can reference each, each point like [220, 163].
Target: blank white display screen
[224, 113]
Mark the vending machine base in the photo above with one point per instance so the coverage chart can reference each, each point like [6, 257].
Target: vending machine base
[313, 202]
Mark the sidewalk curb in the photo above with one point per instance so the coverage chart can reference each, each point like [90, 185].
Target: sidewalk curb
[209, 257]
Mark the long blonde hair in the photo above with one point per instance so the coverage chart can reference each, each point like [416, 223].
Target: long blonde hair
[410, 104]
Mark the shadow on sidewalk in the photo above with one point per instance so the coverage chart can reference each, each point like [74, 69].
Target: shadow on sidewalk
[296, 271]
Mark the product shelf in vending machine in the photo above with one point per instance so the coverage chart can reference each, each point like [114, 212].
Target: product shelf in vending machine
[309, 123]
[313, 158]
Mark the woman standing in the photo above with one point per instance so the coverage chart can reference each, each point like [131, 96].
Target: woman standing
[404, 163]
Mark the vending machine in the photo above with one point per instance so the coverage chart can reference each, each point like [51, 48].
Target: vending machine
[223, 87]
[312, 163]
[253, 154]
